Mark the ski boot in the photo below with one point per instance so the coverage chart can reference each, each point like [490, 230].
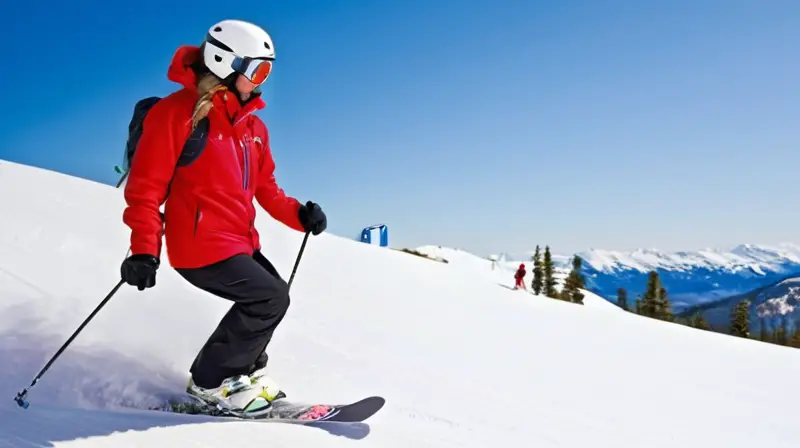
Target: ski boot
[236, 395]
[258, 376]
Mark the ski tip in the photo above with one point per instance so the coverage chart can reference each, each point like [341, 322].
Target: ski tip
[357, 411]
[375, 400]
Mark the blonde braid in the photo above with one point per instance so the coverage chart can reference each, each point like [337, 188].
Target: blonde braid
[207, 86]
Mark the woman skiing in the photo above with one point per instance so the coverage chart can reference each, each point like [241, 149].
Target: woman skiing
[208, 220]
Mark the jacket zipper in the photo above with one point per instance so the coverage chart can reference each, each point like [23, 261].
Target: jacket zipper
[245, 147]
[246, 168]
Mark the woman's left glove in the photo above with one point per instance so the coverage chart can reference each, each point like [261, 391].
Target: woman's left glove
[312, 218]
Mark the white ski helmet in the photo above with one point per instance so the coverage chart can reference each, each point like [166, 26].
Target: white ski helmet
[232, 45]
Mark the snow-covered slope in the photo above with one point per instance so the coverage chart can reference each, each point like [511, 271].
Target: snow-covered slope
[461, 360]
[501, 270]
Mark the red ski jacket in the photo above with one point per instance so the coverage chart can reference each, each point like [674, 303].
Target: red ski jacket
[209, 214]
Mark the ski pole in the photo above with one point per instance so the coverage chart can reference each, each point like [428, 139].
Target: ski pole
[299, 255]
[21, 398]
[121, 179]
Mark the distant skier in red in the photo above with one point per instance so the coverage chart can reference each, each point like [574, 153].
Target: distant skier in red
[518, 276]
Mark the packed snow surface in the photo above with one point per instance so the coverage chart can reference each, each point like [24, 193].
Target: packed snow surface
[462, 360]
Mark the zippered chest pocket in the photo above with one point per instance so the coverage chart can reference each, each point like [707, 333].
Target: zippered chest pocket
[234, 154]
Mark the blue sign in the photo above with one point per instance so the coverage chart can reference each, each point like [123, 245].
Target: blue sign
[382, 230]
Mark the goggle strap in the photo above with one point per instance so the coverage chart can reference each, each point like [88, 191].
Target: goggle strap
[243, 65]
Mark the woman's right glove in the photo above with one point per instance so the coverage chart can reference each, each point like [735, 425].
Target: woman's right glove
[140, 270]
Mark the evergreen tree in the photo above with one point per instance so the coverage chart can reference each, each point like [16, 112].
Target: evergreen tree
[536, 283]
[577, 297]
[573, 283]
[740, 319]
[663, 310]
[547, 270]
[638, 304]
[648, 305]
[794, 341]
[781, 335]
[622, 298]
[655, 302]
[577, 266]
[698, 321]
[763, 334]
[769, 336]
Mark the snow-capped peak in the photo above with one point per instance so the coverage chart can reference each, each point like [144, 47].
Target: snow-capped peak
[758, 258]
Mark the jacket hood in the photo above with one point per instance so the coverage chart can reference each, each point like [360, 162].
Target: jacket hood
[180, 70]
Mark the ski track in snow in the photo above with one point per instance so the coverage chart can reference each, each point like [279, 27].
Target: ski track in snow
[462, 360]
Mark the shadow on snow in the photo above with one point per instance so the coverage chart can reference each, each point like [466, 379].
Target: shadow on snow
[90, 392]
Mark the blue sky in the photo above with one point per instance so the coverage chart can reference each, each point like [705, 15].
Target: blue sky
[490, 126]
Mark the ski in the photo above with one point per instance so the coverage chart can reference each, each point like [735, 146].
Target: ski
[285, 410]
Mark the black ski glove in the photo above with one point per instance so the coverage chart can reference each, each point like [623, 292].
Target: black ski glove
[313, 218]
[140, 270]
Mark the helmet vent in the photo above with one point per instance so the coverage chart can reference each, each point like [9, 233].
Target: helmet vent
[218, 58]
[266, 45]
[217, 29]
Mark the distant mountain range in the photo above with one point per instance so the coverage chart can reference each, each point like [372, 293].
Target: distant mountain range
[770, 305]
[691, 277]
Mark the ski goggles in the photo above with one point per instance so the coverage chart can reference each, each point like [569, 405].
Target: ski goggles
[257, 70]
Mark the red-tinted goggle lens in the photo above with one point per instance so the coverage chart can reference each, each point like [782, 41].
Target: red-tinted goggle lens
[256, 70]
[261, 72]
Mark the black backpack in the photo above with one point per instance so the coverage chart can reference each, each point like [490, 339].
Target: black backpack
[191, 149]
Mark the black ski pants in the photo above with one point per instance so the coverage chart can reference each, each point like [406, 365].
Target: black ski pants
[260, 299]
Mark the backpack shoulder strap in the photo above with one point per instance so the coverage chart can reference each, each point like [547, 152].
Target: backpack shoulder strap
[192, 148]
[195, 144]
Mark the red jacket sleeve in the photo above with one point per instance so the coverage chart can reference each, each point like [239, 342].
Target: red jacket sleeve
[268, 194]
[152, 168]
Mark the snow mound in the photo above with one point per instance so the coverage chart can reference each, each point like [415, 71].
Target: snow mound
[461, 361]
[463, 260]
